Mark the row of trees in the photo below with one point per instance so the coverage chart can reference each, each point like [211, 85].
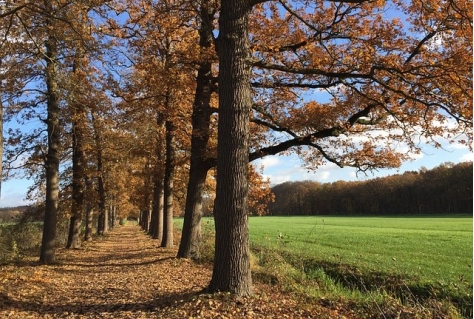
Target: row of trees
[126, 106]
[446, 189]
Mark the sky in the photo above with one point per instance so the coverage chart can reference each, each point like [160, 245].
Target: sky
[280, 169]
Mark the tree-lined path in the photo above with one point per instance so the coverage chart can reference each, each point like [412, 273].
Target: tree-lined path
[125, 274]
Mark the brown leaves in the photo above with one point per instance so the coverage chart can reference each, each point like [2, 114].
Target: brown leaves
[126, 275]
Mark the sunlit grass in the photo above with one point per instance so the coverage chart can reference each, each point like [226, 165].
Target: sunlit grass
[424, 257]
[426, 249]
[366, 257]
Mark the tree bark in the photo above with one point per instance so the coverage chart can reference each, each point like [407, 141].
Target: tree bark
[48, 249]
[158, 185]
[78, 173]
[106, 220]
[231, 271]
[89, 222]
[167, 240]
[191, 235]
[158, 205]
[100, 178]
[89, 212]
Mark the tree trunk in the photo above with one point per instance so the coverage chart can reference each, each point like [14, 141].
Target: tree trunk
[78, 174]
[48, 249]
[189, 246]
[158, 208]
[231, 271]
[158, 186]
[100, 178]
[89, 222]
[167, 240]
[89, 212]
[106, 220]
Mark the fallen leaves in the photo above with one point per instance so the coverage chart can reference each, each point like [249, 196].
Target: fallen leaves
[127, 275]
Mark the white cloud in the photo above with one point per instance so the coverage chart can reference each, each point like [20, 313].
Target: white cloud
[270, 161]
[324, 175]
[468, 157]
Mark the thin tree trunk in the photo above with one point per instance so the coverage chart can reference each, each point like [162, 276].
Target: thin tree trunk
[189, 246]
[158, 186]
[48, 249]
[158, 209]
[100, 178]
[231, 271]
[167, 240]
[89, 212]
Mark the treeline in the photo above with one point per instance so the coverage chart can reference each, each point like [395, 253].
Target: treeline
[446, 189]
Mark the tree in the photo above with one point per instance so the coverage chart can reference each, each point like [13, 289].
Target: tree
[231, 270]
[200, 161]
[260, 193]
[380, 79]
[47, 255]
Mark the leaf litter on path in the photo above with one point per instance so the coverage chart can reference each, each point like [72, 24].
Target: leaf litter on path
[125, 274]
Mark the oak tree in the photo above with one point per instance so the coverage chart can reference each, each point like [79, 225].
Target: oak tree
[386, 86]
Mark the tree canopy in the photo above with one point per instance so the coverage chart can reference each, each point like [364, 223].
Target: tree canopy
[124, 107]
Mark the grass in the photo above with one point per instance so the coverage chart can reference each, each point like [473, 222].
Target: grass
[428, 249]
[408, 258]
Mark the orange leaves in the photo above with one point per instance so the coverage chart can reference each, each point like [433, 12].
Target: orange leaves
[126, 275]
[260, 193]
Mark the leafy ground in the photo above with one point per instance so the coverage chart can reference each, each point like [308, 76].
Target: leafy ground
[126, 275]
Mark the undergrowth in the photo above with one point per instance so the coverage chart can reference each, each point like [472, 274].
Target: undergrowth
[19, 240]
[371, 295]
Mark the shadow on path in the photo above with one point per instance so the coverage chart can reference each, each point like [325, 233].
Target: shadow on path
[124, 274]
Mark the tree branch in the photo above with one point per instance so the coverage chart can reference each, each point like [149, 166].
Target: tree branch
[309, 71]
[420, 44]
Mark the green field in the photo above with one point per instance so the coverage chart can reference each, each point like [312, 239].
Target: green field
[429, 249]
[429, 256]
[423, 257]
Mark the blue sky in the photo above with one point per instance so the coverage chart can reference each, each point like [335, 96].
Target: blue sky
[289, 168]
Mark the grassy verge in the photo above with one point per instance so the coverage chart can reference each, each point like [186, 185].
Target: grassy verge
[420, 267]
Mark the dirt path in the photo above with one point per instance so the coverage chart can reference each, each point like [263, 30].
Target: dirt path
[126, 275]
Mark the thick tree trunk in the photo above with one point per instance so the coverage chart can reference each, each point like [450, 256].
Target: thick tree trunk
[48, 249]
[145, 220]
[231, 271]
[189, 246]
[74, 235]
[89, 222]
[167, 240]
[78, 180]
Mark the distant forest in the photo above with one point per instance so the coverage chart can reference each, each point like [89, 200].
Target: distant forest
[446, 189]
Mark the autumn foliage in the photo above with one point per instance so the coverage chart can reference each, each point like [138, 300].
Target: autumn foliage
[122, 108]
